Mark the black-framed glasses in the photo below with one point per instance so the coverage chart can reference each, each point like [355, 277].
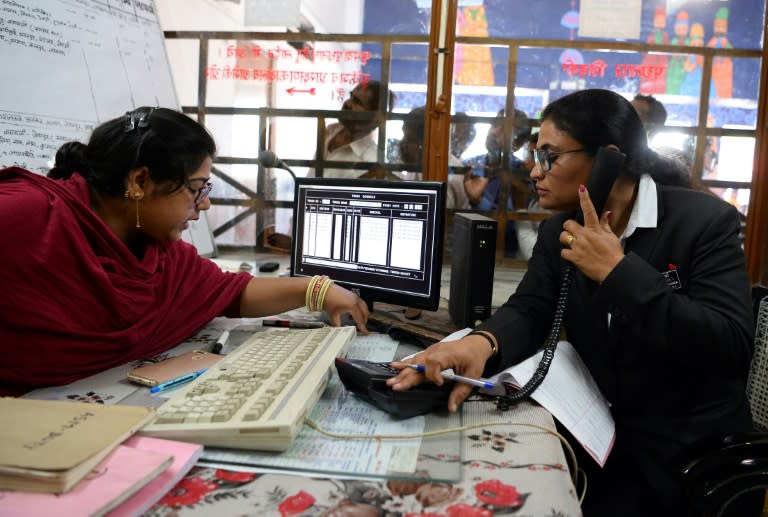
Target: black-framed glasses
[202, 192]
[544, 158]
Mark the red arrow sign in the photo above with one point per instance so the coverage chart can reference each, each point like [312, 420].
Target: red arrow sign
[293, 90]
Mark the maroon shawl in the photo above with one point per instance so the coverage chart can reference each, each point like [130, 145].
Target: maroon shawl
[76, 301]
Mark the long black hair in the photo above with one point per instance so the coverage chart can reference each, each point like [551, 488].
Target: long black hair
[170, 144]
[597, 118]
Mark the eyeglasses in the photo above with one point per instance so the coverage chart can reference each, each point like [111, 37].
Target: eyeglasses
[544, 158]
[202, 192]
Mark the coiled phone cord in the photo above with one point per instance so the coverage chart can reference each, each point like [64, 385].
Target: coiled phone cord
[504, 402]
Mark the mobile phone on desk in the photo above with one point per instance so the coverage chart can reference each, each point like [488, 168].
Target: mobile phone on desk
[155, 374]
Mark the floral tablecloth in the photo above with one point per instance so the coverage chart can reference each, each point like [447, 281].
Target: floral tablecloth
[506, 469]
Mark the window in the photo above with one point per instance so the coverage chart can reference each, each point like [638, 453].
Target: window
[263, 90]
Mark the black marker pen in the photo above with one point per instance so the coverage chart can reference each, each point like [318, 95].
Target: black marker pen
[292, 324]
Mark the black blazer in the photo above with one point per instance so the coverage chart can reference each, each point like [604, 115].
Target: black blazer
[675, 358]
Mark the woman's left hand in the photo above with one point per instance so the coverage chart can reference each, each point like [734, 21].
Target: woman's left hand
[339, 301]
[593, 247]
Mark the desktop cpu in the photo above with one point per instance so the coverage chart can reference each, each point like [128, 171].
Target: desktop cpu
[472, 264]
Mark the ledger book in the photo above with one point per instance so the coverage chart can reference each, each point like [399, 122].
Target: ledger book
[48, 446]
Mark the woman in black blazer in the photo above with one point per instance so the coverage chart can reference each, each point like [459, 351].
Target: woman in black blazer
[658, 306]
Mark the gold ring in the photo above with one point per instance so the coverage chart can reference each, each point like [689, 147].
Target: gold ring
[569, 240]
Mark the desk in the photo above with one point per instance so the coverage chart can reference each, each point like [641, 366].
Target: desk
[505, 468]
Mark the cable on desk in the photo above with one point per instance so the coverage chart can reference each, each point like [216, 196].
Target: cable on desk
[584, 490]
[574, 476]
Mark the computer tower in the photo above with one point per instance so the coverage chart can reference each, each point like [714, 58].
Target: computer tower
[472, 264]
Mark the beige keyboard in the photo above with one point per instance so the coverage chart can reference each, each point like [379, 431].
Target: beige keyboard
[258, 396]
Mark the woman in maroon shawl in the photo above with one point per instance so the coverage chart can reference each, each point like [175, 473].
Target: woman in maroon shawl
[93, 267]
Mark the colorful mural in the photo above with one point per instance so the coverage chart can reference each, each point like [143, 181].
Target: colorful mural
[659, 36]
[472, 64]
[703, 23]
[722, 67]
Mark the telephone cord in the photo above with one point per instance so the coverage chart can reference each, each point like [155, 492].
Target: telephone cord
[504, 402]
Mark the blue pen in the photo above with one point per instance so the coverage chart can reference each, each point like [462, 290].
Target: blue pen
[177, 381]
[448, 374]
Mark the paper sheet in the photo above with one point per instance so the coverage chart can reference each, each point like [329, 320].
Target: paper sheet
[341, 412]
[570, 393]
[610, 19]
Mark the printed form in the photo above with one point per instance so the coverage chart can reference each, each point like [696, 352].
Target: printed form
[341, 412]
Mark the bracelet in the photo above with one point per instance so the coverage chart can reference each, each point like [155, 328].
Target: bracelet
[488, 336]
[317, 288]
[308, 294]
[323, 291]
[312, 296]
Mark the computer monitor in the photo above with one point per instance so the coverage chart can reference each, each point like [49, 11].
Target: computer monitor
[383, 239]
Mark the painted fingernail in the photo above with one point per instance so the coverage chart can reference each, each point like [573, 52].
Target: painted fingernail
[582, 188]
[608, 214]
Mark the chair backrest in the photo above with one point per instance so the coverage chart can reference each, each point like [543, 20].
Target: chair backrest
[757, 384]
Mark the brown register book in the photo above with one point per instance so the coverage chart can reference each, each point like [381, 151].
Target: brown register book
[48, 446]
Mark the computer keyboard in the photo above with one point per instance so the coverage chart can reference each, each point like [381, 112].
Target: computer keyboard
[258, 396]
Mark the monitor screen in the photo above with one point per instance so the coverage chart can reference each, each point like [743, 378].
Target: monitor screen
[382, 239]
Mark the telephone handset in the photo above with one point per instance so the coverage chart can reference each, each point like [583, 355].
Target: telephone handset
[605, 169]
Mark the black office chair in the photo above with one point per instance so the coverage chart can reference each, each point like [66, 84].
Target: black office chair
[721, 474]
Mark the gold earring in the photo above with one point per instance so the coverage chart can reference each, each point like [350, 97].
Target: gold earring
[137, 196]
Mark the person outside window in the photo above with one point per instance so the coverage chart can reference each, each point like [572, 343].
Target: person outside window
[353, 140]
[491, 183]
[652, 113]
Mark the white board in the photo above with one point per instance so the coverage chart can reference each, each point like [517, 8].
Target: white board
[71, 65]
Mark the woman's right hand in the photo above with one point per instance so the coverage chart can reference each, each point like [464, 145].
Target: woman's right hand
[466, 356]
[340, 301]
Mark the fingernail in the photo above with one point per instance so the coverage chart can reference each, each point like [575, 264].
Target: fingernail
[582, 188]
[608, 214]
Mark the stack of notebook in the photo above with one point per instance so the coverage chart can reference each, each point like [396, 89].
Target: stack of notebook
[48, 446]
[67, 458]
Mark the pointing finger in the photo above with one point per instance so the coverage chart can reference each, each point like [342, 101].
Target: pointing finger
[587, 208]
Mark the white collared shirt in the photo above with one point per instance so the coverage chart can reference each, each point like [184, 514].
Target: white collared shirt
[645, 210]
[363, 149]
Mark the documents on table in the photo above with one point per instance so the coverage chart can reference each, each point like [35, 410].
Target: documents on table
[341, 412]
[118, 477]
[571, 394]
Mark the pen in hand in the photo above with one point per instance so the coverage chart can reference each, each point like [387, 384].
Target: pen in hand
[451, 376]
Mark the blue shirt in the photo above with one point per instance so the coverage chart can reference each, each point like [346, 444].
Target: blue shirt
[490, 199]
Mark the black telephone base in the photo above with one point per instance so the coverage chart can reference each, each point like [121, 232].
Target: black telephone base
[367, 379]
